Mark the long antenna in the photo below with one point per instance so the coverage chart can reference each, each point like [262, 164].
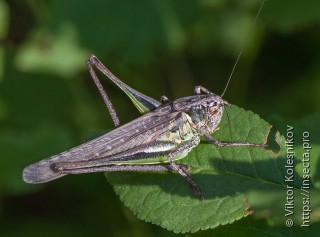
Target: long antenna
[243, 47]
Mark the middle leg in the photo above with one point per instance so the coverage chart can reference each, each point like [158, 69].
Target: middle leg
[183, 172]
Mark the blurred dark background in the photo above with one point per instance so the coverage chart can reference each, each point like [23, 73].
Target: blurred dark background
[48, 102]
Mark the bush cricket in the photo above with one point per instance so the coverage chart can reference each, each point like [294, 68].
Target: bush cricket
[165, 133]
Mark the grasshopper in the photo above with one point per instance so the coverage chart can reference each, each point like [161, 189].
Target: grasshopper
[165, 133]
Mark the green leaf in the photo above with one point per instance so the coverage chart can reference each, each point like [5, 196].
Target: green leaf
[225, 175]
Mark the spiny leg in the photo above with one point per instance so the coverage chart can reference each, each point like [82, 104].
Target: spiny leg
[210, 139]
[143, 102]
[69, 168]
[94, 61]
[183, 172]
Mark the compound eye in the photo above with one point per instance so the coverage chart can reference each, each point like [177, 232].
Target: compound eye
[213, 110]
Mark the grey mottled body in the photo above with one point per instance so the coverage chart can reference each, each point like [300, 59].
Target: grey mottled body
[166, 132]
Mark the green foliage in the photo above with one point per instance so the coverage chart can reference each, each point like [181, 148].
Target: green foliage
[225, 175]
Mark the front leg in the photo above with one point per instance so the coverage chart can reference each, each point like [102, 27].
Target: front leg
[210, 139]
